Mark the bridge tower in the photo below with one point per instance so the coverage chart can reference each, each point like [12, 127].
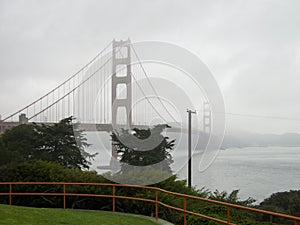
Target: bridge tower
[206, 118]
[121, 79]
[121, 76]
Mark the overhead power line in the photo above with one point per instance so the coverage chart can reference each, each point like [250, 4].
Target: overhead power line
[255, 116]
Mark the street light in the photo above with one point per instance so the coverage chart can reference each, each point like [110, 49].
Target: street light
[190, 146]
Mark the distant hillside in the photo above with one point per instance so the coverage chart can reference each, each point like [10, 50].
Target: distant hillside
[263, 140]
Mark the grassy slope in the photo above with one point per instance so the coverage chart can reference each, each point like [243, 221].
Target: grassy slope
[17, 215]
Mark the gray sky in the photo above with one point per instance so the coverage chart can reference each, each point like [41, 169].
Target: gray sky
[252, 48]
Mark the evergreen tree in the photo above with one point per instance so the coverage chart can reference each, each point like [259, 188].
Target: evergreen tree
[144, 147]
[63, 143]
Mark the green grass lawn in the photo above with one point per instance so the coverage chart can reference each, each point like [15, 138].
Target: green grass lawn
[17, 215]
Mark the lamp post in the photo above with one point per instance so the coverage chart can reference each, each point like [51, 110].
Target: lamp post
[190, 146]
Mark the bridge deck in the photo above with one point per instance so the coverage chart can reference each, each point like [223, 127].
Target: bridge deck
[88, 127]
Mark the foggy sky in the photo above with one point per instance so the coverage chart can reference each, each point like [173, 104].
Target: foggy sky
[252, 48]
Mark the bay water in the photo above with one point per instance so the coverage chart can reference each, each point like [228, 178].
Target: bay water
[256, 171]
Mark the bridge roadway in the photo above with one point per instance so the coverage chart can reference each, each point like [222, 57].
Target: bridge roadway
[88, 127]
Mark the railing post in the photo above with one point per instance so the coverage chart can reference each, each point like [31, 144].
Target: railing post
[64, 196]
[184, 210]
[113, 199]
[271, 218]
[228, 214]
[156, 205]
[295, 222]
[10, 194]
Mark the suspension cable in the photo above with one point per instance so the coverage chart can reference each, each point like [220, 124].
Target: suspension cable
[159, 99]
[53, 90]
[74, 89]
[144, 92]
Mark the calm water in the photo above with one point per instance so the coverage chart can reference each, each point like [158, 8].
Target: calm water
[257, 171]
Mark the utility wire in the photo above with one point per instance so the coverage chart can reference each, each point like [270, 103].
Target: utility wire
[263, 116]
[255, 116]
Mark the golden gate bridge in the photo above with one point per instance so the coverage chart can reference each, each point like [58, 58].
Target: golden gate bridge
[110, 90]
[102, 93]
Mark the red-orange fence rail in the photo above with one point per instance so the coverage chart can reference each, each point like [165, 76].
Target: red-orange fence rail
[155, 201]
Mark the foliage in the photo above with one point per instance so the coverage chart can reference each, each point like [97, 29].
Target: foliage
[231, 198]
[48, 171]
[144, 147]
[41, 171]
[287, 202]
[25, 146]
[140, 176]
[18, 144]
[53, 172]
[63, 143]
[284, 202]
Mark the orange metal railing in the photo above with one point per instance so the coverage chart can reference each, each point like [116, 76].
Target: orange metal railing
[156, 201]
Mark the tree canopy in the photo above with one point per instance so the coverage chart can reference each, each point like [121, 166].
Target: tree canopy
[144, 147]
[62, 142]
[284, 202]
